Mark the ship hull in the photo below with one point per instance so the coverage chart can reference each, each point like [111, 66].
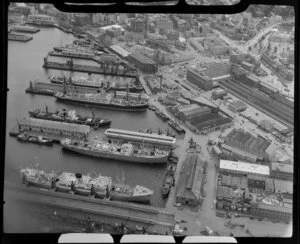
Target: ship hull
[82, 192]
[38, 184]
[61, 188]
[125, 158]
[94, 123]
[139, 108]
[120, 197]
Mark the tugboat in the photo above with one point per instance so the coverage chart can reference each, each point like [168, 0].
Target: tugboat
[128, 193]
[23, 137]
[38, 178]
[175, 126]
[166, 187]
[151, 107]
[161, 115]
[70, 117]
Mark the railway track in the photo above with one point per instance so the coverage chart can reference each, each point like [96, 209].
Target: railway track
[283, 114]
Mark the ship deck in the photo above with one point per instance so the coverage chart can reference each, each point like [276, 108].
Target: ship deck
[152, 219]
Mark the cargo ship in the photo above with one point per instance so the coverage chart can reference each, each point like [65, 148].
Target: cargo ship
[175, 126]
[69, 117]
[106, 100]
[161, 115]
[37, 178]
[85, 185]
[123, 87]
[128, 193]
[123, 152]
[76, 81]
[24, 137]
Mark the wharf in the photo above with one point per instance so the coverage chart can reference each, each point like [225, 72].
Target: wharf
[50, 89]
[152, 219]
[108, 69]
[64, 55]
[18, 37]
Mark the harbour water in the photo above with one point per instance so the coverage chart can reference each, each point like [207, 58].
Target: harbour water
[25, 62]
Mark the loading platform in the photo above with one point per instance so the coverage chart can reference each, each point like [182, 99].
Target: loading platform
[50, 89]
[152, 219]
[105, 68]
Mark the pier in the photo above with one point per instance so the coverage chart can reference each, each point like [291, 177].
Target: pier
[105, 68]
[49, 89]
[153, 220]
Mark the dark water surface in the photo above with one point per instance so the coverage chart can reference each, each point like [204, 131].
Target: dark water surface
[25, 62]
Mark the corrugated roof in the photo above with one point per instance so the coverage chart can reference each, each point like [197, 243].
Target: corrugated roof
[55, 125]
[283, 186]
[287, 168]
[142, 58]
[120, 50]
[276, 208]
[244, 167]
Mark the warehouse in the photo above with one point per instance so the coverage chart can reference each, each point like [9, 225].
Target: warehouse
[218, 93]
[242, 168]
[54, 127]
[282, 171]
[237, 106]
[190, 185]
[143, 63]
[120, 51]
[162, 141]
[242, 140]
[271, 211]
[199, 79]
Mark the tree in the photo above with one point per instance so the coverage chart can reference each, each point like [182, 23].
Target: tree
[249, 48]
[275, 49]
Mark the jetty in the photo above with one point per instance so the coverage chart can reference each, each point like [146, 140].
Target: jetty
[105, 68]
[152, 219]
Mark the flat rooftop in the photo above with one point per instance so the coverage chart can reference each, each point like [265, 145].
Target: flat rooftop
[245, 167]
[120, 50]
[55, 125]
[142, 58]
[140, 136]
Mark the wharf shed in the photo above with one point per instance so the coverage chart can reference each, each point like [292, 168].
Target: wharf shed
[283, 186]
[120, 51]
[282, 171]
[242, 168]
[191, 181]
[142, 138]
[143, 63]
[54, 127]
[271, 211]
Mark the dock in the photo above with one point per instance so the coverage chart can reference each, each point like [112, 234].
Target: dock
[110, 212]
[49, 89]
[113, 69]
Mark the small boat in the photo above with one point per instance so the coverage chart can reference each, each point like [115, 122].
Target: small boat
[151, 107]
[175, 126]
[23, 137]
[161, 115]
[128, 193]
[166, 187]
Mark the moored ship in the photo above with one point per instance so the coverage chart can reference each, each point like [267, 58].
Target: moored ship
[69, 117]
[138, 193]
[84, 184]
[37, 178]
[123, 152]
[175, 126]
[161, 115]
[24, 137]
[76, 81]
[108, 101]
